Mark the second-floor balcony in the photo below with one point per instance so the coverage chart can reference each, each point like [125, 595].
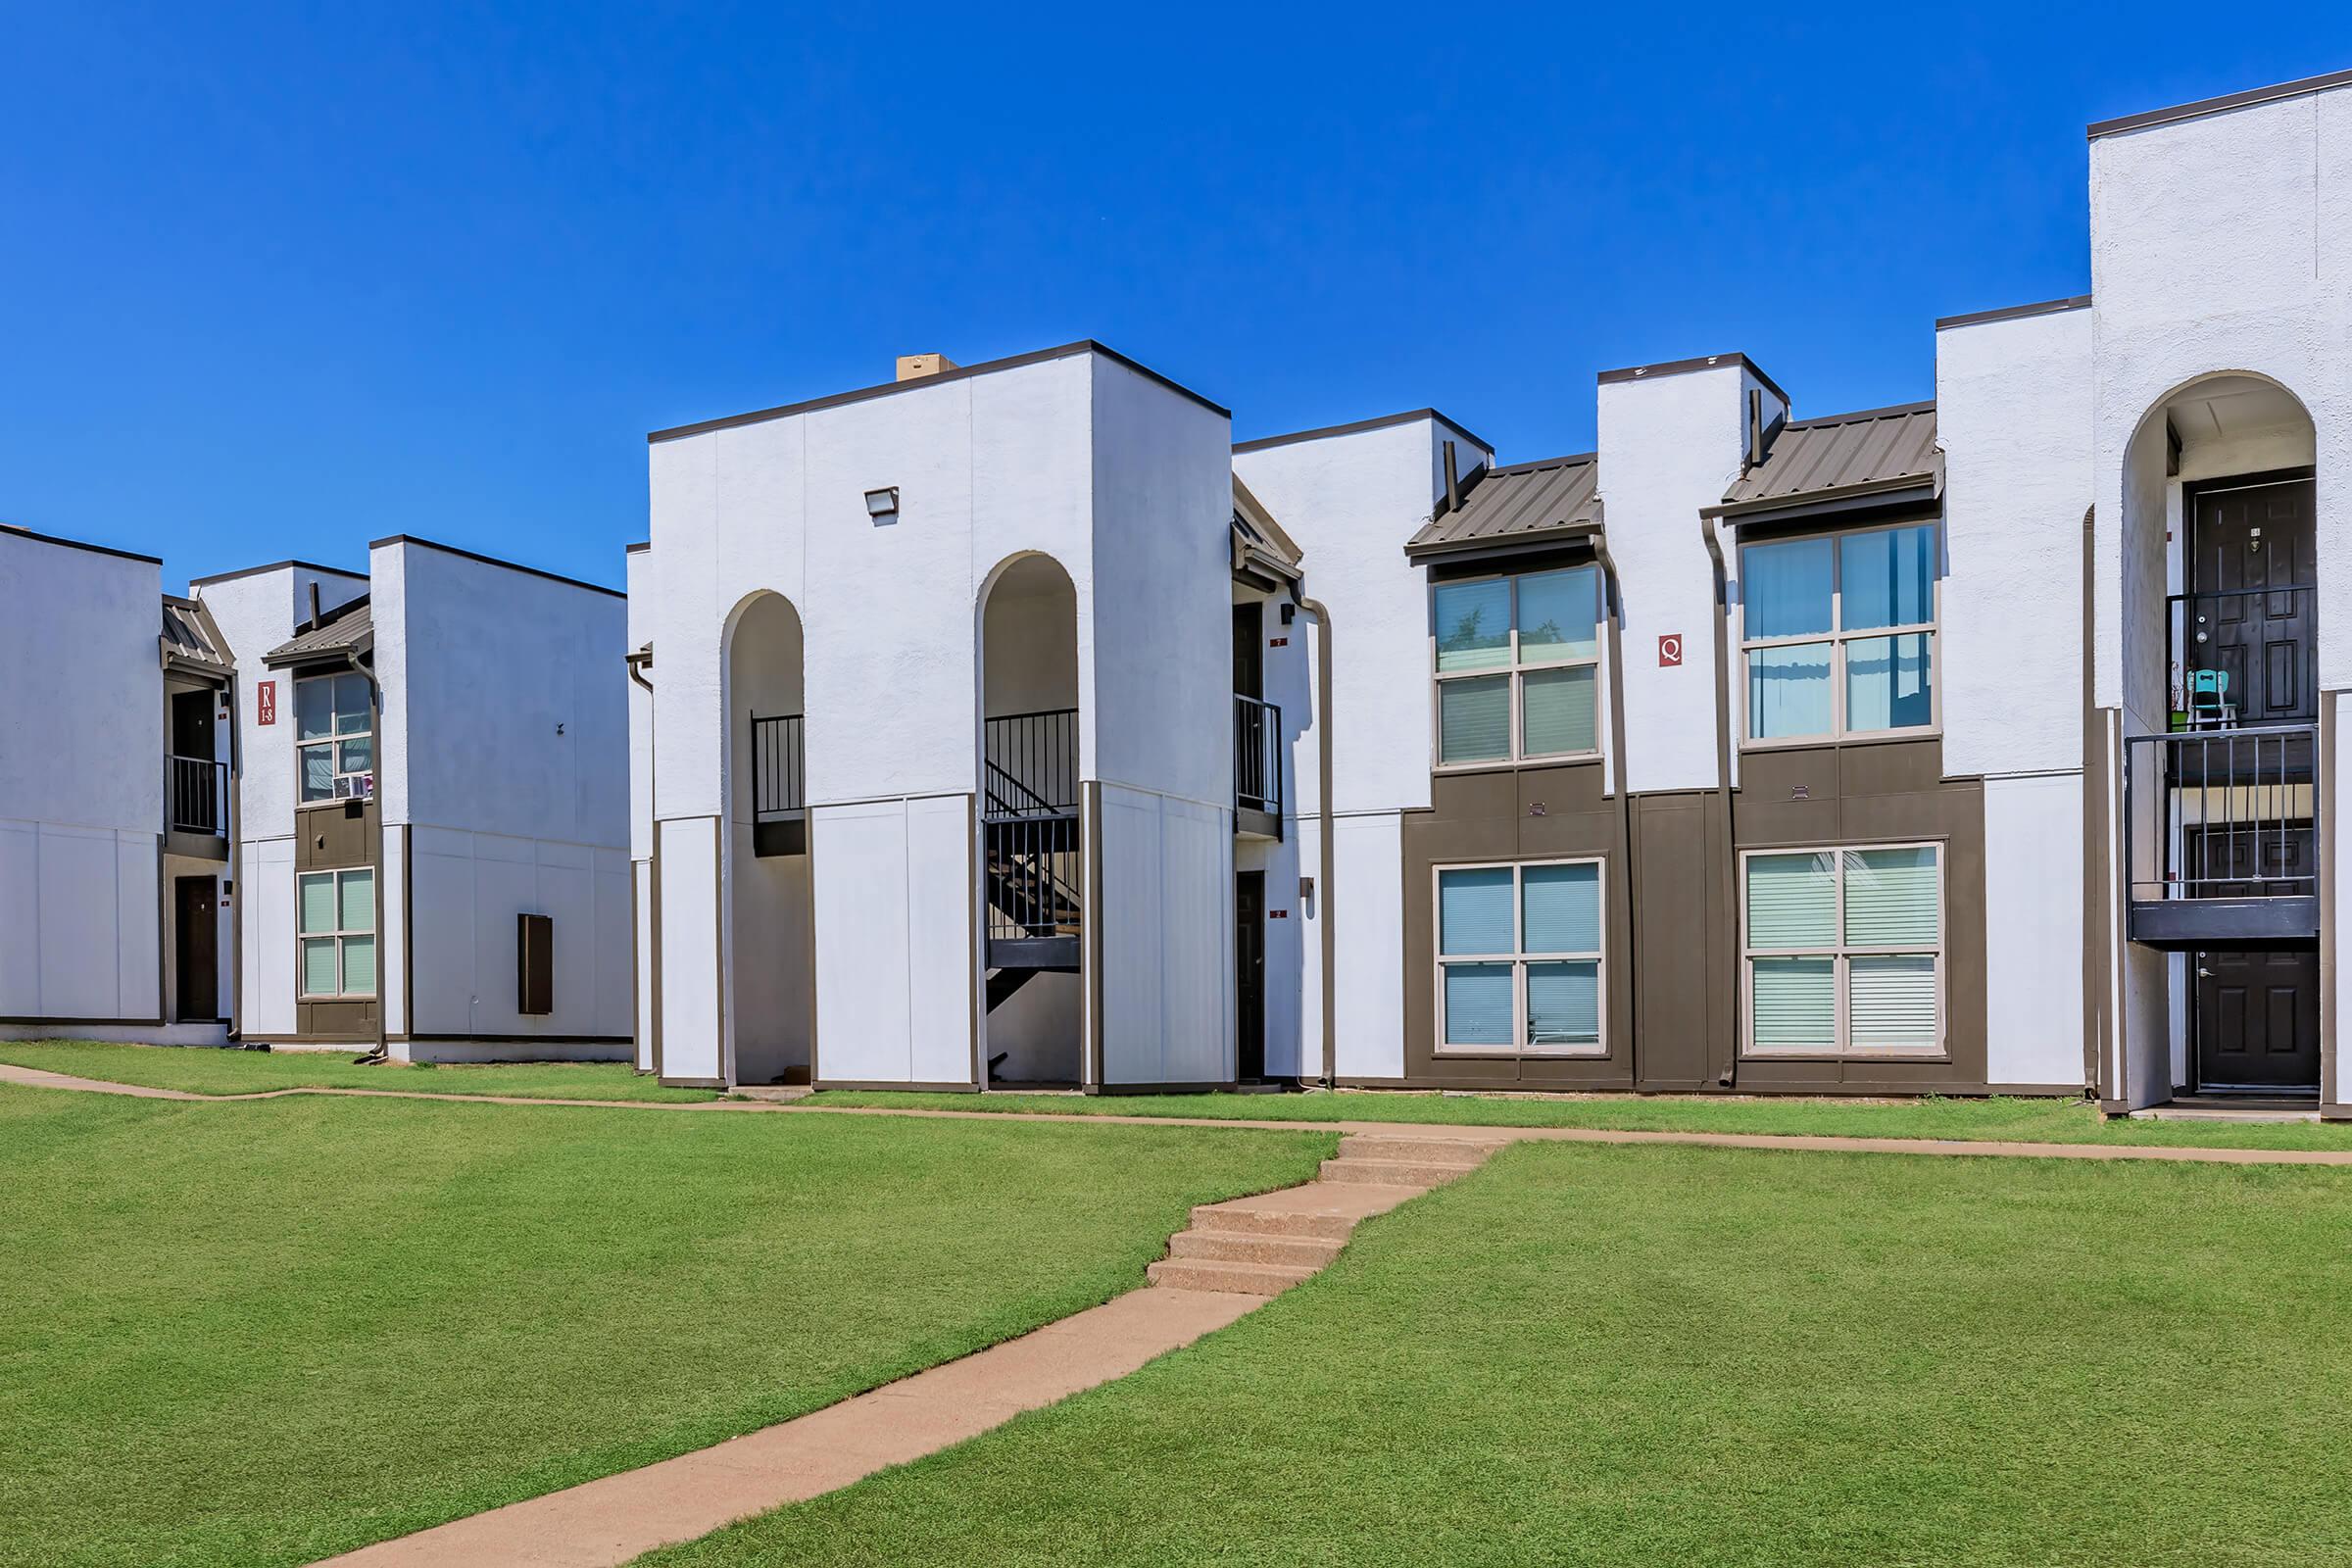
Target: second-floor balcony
[1256, 767]
[2223, 837]
[2242, 657]
[196, 795]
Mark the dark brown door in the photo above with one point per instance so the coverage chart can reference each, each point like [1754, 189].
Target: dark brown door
[2258, 1019]
[196, 948]
[2253, 607]
[1250, 972]
[1248, 649]
[192, 724]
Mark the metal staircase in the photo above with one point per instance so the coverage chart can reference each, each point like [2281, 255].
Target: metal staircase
[1031, 850]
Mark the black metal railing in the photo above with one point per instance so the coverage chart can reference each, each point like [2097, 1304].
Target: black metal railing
[2262, 642]
[1256, 755]
[779, 781]
[1029, 828]
[199, 795]
[2223, 815]
[1039, 754]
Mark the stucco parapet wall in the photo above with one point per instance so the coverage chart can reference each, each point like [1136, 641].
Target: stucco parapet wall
[494, 561]
[278, 566]
[1382, 421]
[962, 374]
[1704, 362]
[2299, 88]
[2012, 313]
[11, 530]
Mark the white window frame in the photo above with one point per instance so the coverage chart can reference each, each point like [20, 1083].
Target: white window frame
[1838, 637]
[341, 934]
[1515, 673]
[1519, 959]
[1840, 953]
[362, 785]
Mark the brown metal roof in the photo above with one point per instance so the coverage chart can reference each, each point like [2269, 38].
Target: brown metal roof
[192, 641]
[1527, 503]
[348, 629]
[1847, 455]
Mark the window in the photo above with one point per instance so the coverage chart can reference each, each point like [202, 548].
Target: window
[336, 915]
[334, 738]
[1840, 633]
[1517, 661]
[1519, 950]
[1844, 951]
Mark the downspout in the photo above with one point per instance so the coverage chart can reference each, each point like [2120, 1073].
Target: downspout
[639, 663]
[1325, 854]
[1723, 764]
[1617, 770]
[376, 728]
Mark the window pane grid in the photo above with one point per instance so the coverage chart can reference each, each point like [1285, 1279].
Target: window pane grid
[334, 918]
[1527, 688]
[1876, 654]
[334, 739]
[1542, 994]
[1870, 979]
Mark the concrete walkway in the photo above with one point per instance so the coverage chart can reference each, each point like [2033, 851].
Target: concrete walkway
[1261, 1245]
[1432, 1130]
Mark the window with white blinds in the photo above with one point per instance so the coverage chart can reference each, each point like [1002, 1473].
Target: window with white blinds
[1844, 951]
[1519, 958]
[335, 915]
[1517, 665]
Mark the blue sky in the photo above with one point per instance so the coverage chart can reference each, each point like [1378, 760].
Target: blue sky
[276, 282]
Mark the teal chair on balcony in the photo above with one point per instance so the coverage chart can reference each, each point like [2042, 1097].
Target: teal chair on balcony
[2209, 704]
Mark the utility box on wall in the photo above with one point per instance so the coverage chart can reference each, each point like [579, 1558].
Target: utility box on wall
[535, 964]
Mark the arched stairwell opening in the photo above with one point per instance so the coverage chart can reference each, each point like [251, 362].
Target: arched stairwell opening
[1032, 856]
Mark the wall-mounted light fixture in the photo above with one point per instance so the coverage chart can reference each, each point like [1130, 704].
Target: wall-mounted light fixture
[883, 505]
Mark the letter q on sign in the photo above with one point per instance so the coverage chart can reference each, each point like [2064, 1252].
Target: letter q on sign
[1670, 650]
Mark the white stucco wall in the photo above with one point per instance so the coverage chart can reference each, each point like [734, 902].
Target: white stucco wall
[639, 583]
[2013, 414]
[81, 782]
[1671, 445]
[2034, 930]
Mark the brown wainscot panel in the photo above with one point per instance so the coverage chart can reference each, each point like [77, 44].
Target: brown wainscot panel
[339, 835]
[1684, 941]
[1527, 813]
[1883, 791]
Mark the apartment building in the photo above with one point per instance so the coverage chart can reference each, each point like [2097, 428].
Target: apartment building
[1002, 725]
[115, 804]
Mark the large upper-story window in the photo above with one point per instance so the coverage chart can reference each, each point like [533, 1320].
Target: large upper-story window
[334, 738]
[1844, 951]
[1838, 631]
[1518, 665]
[1519, 957]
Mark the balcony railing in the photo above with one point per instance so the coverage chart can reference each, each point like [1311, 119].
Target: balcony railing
[2260, 642]
[1031, 838]
[2223, 836]
[1256, 755]
[198, 791]
[780, 798]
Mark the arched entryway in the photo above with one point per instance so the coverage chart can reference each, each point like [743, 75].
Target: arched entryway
[1032, 869]
[2221, 704]
[769, 975]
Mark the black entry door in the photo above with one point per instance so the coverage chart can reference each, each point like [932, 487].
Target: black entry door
[1248, 649]
[2256, 537]
[192, 724]
[1250, 971]
[2258, 1019]
[196, 948]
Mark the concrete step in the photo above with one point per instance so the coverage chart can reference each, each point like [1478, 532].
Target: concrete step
[1457, 1151]
[1230, 1246]
[1238, 1279]
[1238, 1221]
[1390, 1172]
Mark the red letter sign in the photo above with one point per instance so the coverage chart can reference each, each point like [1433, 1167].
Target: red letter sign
[1670, 650]
[264, 702]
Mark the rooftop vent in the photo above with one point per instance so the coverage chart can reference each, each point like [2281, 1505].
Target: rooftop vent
[914, 366]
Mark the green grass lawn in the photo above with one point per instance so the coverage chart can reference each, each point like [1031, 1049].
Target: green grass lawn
[1696, 1357]
[2039, 1121]
[260, 1332]
[202, 1070]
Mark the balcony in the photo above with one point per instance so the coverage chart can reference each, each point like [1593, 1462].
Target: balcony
[779, 787]
[196, 797]
[2243, 657]
[1256, 767]
[2223, 839]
